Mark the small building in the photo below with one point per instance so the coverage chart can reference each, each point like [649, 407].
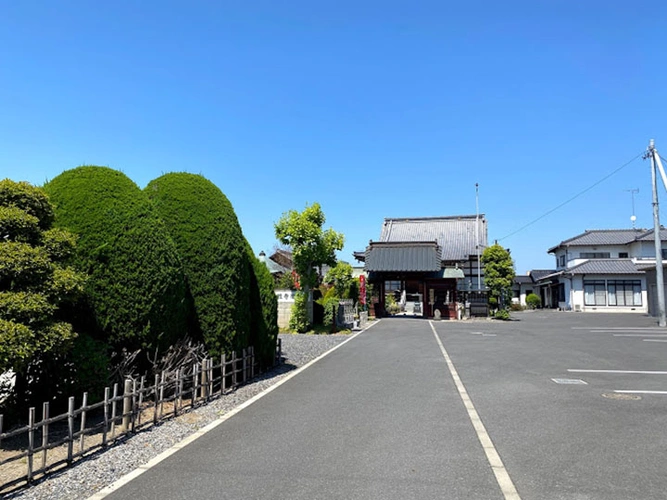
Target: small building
[603, 270]
[428, 266]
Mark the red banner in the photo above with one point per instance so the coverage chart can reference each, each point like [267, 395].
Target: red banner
[362, 289]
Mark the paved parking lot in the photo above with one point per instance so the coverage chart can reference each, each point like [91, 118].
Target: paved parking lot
[552, 405]
[576, 404]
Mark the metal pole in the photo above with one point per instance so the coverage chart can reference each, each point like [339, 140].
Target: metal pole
[659, 279]
[479, 273]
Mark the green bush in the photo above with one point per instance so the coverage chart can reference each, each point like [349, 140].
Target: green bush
[298, 321]
[263, 311]
[136, 292]
[35, 286]
[502, 314]
[204, 227]
[533, 301]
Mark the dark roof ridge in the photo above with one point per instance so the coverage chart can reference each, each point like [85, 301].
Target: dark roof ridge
[431, 218]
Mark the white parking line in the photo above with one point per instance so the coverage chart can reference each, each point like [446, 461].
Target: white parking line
[640, 335]
[654, 340]
[618, 328]
[502, 476]
[640, 392]
[627, 372]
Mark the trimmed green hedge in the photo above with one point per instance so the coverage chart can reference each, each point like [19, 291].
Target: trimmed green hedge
[202, 223]
[264, 311]
[136, 290]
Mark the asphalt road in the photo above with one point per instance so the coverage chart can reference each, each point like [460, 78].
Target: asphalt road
[381, 418]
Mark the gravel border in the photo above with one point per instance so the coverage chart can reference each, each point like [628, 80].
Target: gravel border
[92, 473]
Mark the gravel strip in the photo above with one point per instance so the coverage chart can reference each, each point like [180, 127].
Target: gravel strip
[97, 471]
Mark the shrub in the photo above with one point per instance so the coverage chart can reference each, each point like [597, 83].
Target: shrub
[392, 306]
[204, 227]
[263, 311]
[298, 321]
[502, 314]
[35, 285]
[516, 307]
[136, 292]
[533, 301]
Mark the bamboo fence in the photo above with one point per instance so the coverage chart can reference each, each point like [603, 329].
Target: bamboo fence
[137, 404]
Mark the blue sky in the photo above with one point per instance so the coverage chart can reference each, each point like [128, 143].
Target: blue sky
[373, 109]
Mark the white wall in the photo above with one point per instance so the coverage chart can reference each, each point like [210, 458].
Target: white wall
[577, 295]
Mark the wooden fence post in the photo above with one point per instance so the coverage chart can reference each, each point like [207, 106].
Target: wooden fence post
[106, 416]
[196, 369]
[31, 440]
[127, 404]
[113, 411]
[234, 378]
[45, 432]
[244, 364]
[84, 404]
[162, 395]
[204, 379]
[210, 377]
[252, 362]
[156, 398]
[70, 430]
[223, 368]
[139, 405]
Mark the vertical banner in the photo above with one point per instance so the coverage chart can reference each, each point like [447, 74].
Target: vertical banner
[362, 289]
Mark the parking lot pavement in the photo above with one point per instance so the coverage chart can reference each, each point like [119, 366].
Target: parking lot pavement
[576, 404]
[379, 418]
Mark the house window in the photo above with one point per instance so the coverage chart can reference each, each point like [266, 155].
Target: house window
[624, 292]
[562, 261]
[664, 253]
[622, 255]
[595, 293]
[595, 255]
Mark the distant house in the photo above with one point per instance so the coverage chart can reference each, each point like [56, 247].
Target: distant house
[603, 270]
[277, 270]
[428, 265]
[523, 286]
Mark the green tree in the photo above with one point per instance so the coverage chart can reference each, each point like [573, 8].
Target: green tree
[35, 283]
[136, 294]
[204, 227]
[499, 274]
[341, 277]
[312, 247]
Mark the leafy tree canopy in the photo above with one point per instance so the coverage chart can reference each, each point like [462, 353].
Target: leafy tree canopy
[341, 277]
[312, 247]
[34, 280]
[498, 272]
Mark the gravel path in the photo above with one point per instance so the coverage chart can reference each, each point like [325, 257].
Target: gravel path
[93, 473]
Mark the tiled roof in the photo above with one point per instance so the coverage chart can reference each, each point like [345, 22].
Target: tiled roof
[523, 279]
[648, 235]
[455, 235]
[406, 257]
[273, 266]
[538, 274]
[609, 237]
[606, 266]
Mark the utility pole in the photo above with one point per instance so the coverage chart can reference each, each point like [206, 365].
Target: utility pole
[632, 193]
[479, 271]
[652, 153]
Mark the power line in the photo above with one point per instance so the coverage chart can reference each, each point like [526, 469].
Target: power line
[572, 198]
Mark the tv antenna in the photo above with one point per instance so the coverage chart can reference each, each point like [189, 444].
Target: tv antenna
[633, 218]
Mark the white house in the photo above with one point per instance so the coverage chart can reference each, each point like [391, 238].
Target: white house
[603, 270]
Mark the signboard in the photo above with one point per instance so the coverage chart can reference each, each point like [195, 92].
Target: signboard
[362, 289]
